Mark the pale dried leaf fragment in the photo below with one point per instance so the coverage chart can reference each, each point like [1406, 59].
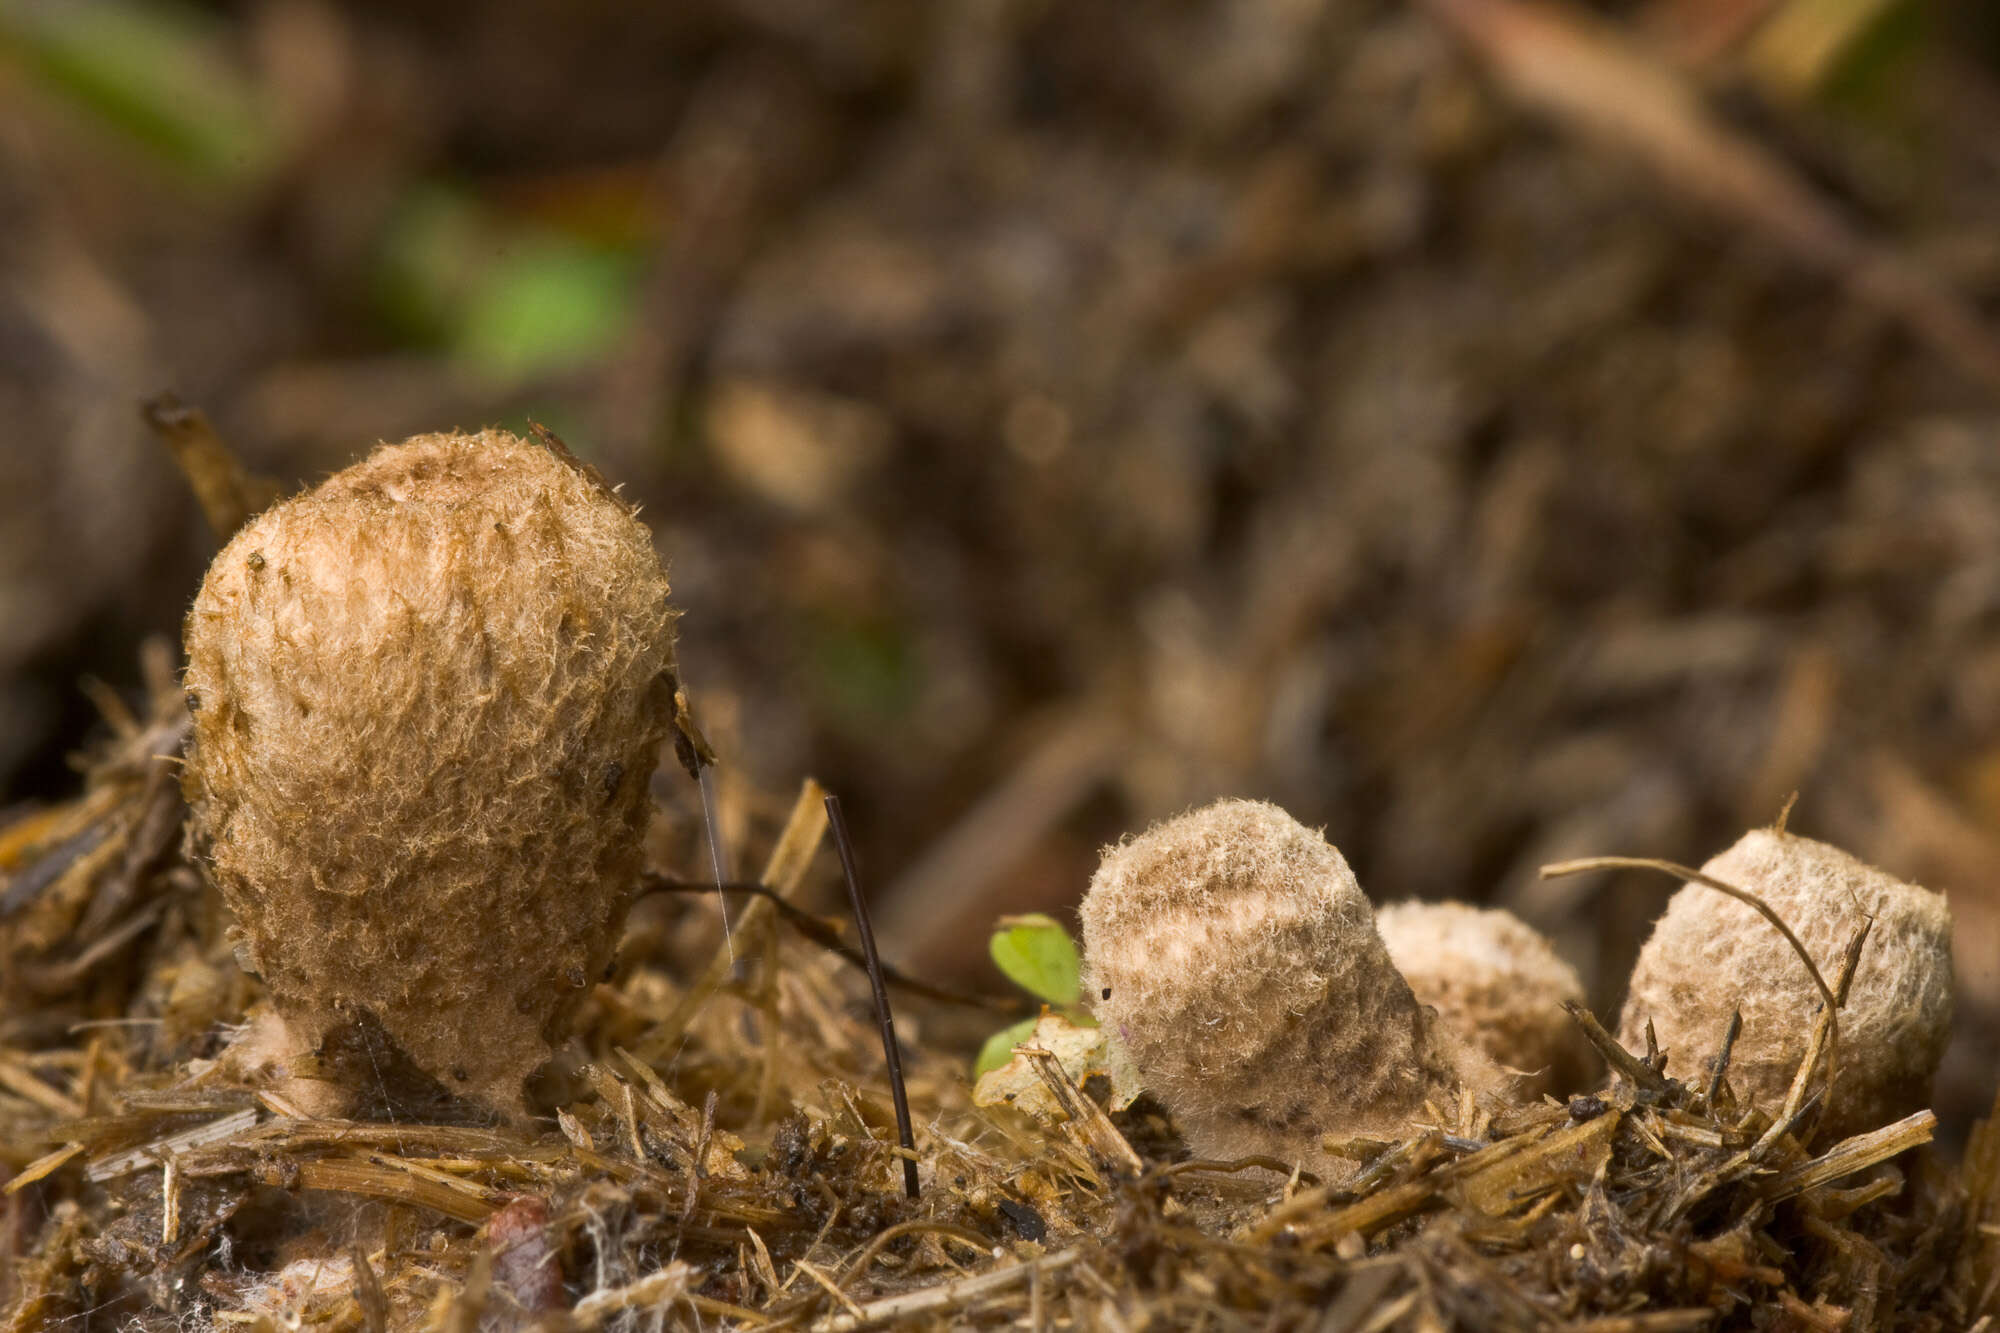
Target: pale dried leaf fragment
[1083, 1052]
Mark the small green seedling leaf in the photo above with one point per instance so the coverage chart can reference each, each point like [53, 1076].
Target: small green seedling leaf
[1039, 956]
[999, 1047]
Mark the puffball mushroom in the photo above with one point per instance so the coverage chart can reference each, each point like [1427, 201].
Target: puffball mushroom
[1710, 954]
[1232, 952]
[428, 697]
[1496, 982]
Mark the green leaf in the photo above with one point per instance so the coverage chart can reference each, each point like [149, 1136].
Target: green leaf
[999, 1047]
[1038, 955]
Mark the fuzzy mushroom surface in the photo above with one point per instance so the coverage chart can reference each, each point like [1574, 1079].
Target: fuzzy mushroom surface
[1233, 953]
[1710, 954]
[428, 697]
[1498, 983]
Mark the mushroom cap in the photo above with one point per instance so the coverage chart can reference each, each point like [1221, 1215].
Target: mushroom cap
[1235, 956]
[1710, 954]
[428, 696]
[1498, 983]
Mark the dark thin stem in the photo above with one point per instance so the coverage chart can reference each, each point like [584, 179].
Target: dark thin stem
[890, 1050]
[822, 933]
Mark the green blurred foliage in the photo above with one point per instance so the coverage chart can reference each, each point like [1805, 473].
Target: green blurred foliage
[865, 667]
[508, 300]
[155, 71]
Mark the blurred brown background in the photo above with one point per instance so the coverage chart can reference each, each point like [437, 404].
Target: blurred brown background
[1496, 431]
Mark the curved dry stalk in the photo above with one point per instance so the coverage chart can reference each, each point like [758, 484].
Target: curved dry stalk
[858, 1264]
[1585, 865]
[1832, 1001]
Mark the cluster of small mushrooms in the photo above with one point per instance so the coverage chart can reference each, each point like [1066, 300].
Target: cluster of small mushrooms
[1277, 1014]
[428, 697]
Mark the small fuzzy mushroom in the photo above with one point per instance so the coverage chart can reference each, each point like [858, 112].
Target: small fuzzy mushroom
[428, 696]
[1710, 954]
[1233, 953]
[1496, 982]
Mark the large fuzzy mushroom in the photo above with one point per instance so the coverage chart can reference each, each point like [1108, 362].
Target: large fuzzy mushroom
[428, 696]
